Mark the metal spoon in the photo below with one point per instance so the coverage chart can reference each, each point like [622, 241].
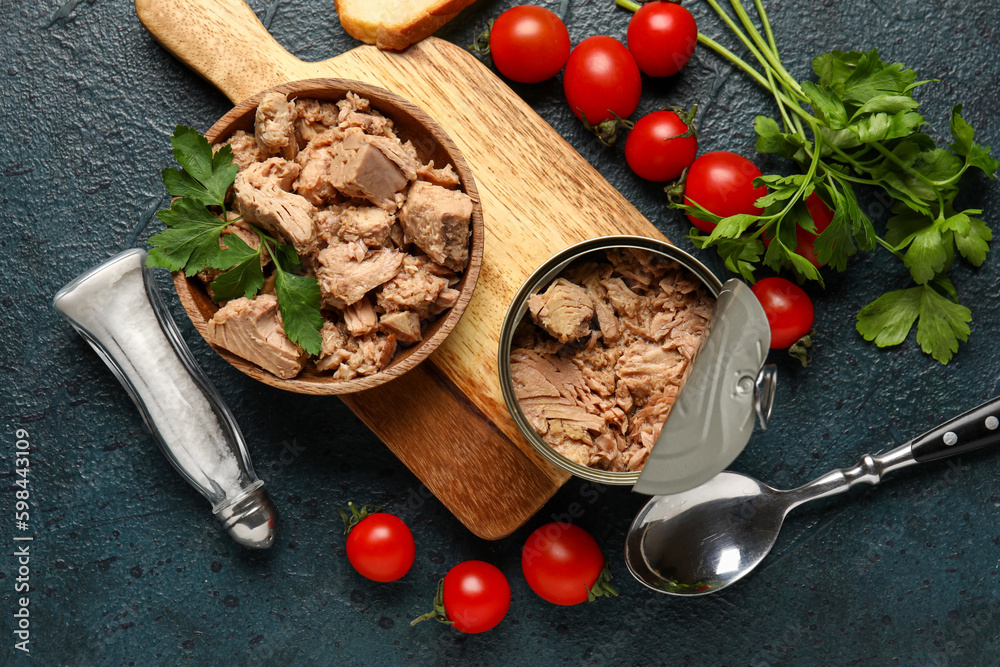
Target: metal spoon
[705, 539]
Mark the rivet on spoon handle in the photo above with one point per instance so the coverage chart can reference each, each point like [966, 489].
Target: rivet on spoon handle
[971, 430]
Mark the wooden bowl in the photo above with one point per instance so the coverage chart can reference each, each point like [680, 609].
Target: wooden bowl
[431, 143]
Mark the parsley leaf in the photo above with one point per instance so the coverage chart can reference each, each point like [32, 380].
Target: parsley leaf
[740, 255]
[191, 241]
[926, 255]
[872, 78]
[974, 244]
[732, 226]
[828, 106]
[299, 302]
[205, 176]
[246, 276]
[770, 139]
[975, 155]
[941, 322]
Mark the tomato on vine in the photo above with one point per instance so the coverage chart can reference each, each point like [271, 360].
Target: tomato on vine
[602, 82]
[529, 44]
[379, 546]
[789, 310]
[473, 597]
[662, 37]
[721, 182]
[661, 146]
[564, 565]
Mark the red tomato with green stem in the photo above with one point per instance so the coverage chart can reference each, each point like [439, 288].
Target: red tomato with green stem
[601, 80]
[380, 546]
[657, 149]
[805, 241]
[564, 565]
[529, 44]
[662, 37]
[473, 597]
[722, 183]
[788, 308]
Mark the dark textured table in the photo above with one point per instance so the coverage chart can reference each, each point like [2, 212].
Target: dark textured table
[128, 566]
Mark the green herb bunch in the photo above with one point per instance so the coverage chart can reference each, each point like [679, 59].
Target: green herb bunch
[195, 221]
[863, 129]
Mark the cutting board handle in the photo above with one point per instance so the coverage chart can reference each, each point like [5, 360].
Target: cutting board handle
[223, 41]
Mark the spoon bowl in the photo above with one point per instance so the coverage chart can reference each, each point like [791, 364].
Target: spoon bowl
[703, 540]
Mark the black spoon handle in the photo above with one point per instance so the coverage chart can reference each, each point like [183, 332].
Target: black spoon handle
[976, 428]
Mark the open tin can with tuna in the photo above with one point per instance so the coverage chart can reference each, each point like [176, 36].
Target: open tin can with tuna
[613, 334]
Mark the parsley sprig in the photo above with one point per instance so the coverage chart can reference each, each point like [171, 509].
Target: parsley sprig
[863, 130]
[195, 221]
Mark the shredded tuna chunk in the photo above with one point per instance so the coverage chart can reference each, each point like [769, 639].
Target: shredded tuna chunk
[436, 220]
[600, 397]
[356, 111]
[347, 272]
[360, 317]
[350, 356]
[328, 225]
[315, 160]
[404, 325]
[564, 310]
[313, 118]
[360, 169]
[367, 224]
[252, 329]
[263, 199]
[245, 148]
[445, 300]
[400, 155]
[589, 275]
[274, 126]
[413, 288]
[445, 177]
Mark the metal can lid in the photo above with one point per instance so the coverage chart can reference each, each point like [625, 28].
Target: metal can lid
[713, 417]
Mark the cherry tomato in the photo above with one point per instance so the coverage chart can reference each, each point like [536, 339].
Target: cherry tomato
[601, 80]
[788, 308]
[561, 562]
[805, 241]
[381, 547]
[476, 596]
[662, 37]
[529, 44]
[655, 151]
[722, 182]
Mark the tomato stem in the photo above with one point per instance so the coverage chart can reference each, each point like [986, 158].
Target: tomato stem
[629, 5]
[438, 613]
[602, 586]
[799, 350]
[356, 516]
[607, 131]
[480, 46]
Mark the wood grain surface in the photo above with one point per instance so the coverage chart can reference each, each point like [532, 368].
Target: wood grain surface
[538, 196]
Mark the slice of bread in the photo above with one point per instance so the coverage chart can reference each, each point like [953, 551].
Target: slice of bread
[395, 24]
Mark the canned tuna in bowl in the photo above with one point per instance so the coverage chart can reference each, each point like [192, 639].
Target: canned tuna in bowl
[596, 346]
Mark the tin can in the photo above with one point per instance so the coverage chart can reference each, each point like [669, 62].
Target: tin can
[538, 281]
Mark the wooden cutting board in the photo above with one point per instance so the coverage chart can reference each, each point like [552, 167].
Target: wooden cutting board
[446, 420]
